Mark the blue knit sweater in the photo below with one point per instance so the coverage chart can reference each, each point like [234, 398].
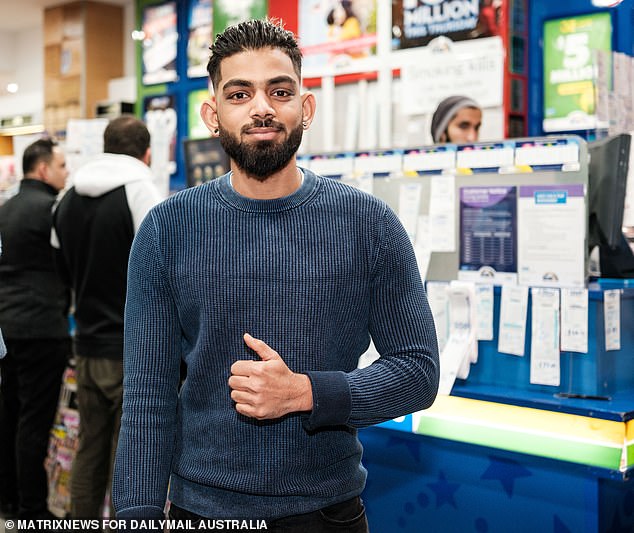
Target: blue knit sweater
[313, 275]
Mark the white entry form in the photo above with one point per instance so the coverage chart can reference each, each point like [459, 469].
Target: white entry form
[512, 332]
[442, 213]
[612, 319]
[545, 367]
[574, 320]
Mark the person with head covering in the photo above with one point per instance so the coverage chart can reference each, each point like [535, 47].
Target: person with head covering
[457, 119]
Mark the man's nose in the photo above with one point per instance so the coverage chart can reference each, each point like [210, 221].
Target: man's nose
[261, 106]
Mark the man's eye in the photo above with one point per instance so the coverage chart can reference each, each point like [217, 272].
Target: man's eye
[281, 93]
[238, 96]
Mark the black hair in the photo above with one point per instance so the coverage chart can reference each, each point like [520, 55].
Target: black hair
[40, 150]
[126, 135]
[252, 35]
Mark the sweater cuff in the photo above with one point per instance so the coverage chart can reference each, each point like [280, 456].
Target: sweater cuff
[144, 512]
[332, 401]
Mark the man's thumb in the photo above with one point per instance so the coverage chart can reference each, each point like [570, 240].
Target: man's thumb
[265, 352]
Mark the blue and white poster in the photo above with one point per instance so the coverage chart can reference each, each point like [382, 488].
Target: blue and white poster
[488, 234]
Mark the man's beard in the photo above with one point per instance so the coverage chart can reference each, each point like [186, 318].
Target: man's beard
[262, 159]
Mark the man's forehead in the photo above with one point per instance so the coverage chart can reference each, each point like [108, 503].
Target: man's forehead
[262, 65]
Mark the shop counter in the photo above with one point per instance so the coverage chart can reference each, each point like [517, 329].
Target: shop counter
[503, 455]
[474, 465]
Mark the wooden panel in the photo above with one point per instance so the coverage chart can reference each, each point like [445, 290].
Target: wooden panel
[52, 57]
[69, 90]
[6, 145]
[53, 25]
[73, 20]
[51, 91]
[104, 51]
[71, 57]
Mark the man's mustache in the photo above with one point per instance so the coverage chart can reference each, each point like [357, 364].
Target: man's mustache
[264, 123]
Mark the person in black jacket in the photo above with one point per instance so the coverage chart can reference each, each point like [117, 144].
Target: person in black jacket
[94, 225]
[34, 322]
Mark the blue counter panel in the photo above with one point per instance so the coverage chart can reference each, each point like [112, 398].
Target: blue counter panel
[598, 373]
[421, 484]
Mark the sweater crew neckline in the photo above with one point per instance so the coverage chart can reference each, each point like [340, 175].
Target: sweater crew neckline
[301, 195]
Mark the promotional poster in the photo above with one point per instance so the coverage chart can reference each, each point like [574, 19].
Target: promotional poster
[570, 69]
[336, 32]
[200, 36]
[159, 43]
[418, 22]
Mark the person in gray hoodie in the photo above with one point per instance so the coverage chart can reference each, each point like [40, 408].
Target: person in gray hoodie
[94, 224]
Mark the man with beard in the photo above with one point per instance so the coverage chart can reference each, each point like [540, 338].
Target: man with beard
[268, 282]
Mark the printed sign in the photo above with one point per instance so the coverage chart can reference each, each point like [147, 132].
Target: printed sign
[570, 70]
[417, 22]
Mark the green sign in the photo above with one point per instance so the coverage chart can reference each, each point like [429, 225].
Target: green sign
[229, 12]
[570, 51]
[196, 128]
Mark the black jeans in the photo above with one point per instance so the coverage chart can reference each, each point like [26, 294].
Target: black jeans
[344, 517]
[31, 376]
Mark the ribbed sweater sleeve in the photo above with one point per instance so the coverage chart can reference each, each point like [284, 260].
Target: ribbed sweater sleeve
[405, 378]
[150, 382]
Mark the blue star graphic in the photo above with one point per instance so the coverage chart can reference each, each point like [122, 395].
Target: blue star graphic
[559, 526]
[412, 445]
[506, 471]
[444, 491]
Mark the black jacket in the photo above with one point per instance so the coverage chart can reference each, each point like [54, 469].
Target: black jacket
[94, 225]
[33, 300]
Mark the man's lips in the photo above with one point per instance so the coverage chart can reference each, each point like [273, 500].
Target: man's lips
[263, 133]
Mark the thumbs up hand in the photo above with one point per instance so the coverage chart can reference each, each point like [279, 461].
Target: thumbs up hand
[268, 389]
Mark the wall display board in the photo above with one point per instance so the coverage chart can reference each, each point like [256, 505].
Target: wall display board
[160, 43]
[336, 33]
[570, 47]
[467, 191]
[370, 61]
[200, 34]
[542, 12]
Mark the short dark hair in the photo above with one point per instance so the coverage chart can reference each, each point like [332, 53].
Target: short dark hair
[40, 150]
[253, 35]
[126, 135]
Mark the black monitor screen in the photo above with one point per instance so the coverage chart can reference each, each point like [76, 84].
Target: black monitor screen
[607, 180]
[205, 159]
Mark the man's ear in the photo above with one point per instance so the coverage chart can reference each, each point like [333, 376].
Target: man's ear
[309, 105]
[209, 115]
[147, 157]
[41, 171]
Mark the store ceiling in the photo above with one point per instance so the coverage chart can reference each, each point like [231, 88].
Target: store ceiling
[20, 15]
